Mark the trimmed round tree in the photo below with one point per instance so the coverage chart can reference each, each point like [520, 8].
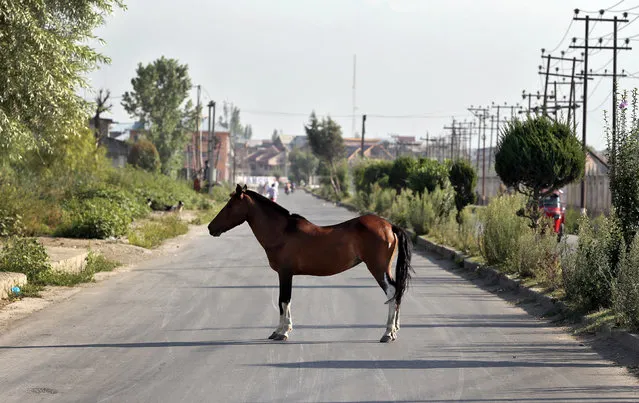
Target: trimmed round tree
[463, 178]
[536, 157]
[144, 155]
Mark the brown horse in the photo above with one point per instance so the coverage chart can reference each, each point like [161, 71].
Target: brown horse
[295, 246]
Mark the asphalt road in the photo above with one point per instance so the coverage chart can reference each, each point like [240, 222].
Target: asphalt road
[192, 328]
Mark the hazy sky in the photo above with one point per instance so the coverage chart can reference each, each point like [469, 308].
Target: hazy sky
[280, 59]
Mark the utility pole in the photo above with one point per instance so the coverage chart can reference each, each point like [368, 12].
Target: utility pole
[452, 128]
[546, 87]
[212, 170]
[198, 140]
[482, 114]
[529, 95]
[363, 133]
[586, 75]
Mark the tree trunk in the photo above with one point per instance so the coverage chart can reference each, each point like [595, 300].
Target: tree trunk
[334, 180]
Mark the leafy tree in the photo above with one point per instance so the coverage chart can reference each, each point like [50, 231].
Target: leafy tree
[537, 156]
[101, 107]
[274, 135]
[325, 139]
[45, 59]
[160, 90]
[463, 178]
[144, 155]
[248, 132]
[623, 159]
[303, 164]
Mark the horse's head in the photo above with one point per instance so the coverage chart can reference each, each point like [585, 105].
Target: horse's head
[233, 214]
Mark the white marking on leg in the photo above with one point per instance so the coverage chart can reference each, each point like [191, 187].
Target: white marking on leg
[392, 309]
[286, 321]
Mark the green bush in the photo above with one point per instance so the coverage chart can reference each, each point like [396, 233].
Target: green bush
[422, 214]
[367, 173]
[144, 155]
[626, 289]
[24, 255]
[501, 228]
[382, 200]
[428, 175]
[468, 232]
[400, 209]
[588, 275]
[463, 179]
[95, 218]
[400, 171]
[134, 206]
[537, 256]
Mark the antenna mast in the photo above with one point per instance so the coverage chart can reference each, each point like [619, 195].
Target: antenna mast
[353, 133]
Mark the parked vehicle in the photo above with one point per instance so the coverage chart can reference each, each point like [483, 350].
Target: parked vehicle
[553, 208]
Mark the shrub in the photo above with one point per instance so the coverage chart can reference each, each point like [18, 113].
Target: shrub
[537, 256]
[382, 200]
[428, 175]
[144, 155]
[623, 148]
[94, 218]
[400, 171]
[367, 173]
[422, 214]
[501, 228]
[24, 255]
[588, 275]
[626, 289]
[463, 179]
[400, 209]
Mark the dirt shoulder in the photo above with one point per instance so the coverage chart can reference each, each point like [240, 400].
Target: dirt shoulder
[129, 256]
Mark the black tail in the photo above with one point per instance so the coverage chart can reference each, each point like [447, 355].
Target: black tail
[403, 267]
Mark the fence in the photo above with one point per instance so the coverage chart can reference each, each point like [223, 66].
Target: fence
[598, 198]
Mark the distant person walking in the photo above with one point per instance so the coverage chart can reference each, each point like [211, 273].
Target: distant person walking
[272, 193]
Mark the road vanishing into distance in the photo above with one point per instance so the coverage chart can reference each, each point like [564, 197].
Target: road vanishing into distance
[193, 327]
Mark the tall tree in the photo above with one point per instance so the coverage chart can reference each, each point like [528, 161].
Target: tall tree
[102, 105]
[537, 156]
[45, 59]
[274, 135]
[325, 139]
[303, 164]
[159, 101]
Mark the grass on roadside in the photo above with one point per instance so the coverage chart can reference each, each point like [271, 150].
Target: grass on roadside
[95, 263]
[206, 216]
[151, 233]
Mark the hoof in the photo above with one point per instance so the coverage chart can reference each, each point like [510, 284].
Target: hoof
[280, 337]
[273, 335]
[385, 339]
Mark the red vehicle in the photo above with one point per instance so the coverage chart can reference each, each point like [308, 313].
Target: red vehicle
[552, 208]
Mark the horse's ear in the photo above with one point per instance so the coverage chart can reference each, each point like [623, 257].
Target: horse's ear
[238, 189]
[244, 188]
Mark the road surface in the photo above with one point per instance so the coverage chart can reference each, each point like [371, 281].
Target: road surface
[192, 327]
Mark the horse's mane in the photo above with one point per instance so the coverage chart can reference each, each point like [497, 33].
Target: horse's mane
[268, 204]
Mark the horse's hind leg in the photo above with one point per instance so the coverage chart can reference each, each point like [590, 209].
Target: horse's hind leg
[381, 270]
[286, 321]
[392, 323]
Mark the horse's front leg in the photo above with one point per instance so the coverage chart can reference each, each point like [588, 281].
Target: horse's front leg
[286, 321]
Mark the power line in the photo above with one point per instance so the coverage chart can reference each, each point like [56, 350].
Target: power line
[563, 37]
[372, 115]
